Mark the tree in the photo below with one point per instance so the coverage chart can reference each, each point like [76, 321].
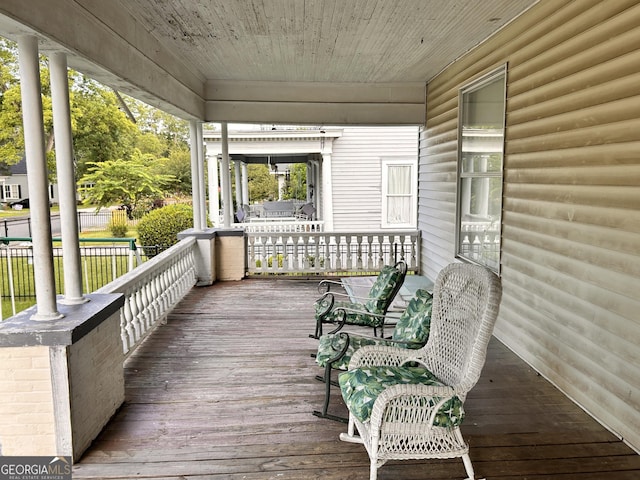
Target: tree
[101, 131]
[178, 166]
[262, 185]
[11, 141]
[296, 184]
[122, 182]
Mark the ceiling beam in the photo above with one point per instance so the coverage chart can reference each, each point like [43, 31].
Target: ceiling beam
[316, 103]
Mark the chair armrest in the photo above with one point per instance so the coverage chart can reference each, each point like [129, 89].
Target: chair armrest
[401, 397]
[325, 285]
[383, 355]
[324, 304]
[342, 312]
[388, 342]
[346, 295]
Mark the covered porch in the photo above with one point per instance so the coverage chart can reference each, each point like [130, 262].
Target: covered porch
[226, 389]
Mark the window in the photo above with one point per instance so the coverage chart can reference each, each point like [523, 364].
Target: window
[398, 193]
[480, 165]
[12, 191]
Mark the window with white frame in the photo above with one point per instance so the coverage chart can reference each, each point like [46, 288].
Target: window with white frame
[399, 196]
[480, 167]
[11, 191]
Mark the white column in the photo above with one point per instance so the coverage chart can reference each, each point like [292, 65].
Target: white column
[66, 180]
[317, 202]
[214, 197]
[327, 205]
[46, 308]
[309, 167]
[226, 177]
[317, 182]
[245, 184]
[203, 196]
[238, 171]
[195, 180]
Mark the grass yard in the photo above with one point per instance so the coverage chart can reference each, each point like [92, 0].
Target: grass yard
[97, 270]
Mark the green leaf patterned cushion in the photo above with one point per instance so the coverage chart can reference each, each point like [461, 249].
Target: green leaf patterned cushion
[357, 314]
[331, 345]
[412, 326]
[380, 294]
[415, 322]
[360, 389]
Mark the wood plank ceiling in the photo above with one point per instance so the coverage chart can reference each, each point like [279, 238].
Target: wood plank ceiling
[352, 41]
[284, 61]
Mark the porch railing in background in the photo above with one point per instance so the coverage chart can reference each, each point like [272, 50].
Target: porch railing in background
[152, 290]
[273, 225]
[336, 253]
[480, 242]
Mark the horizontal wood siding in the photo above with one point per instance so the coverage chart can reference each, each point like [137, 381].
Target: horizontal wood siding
[357, 174]
[571, 212]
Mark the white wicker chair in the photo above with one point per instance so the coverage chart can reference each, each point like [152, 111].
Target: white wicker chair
[407, 419]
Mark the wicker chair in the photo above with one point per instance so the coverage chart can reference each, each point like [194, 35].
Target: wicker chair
[408, 404]
[336, 349]
[358, 312]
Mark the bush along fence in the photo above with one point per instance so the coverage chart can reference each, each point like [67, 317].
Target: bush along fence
[103, 260]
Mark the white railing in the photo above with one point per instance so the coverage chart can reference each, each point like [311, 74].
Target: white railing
[152, 290]
[330, 252]
[273, 225]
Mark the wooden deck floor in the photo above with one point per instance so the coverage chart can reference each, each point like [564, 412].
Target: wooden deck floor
[225, 390]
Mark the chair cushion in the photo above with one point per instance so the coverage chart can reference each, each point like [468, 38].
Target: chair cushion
[357, 314]
[360, 389]
[412, 326]
[380, 294]
[331, 344]
[414, 323]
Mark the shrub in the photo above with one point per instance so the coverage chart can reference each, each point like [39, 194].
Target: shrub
[118, 228]
[161, 226]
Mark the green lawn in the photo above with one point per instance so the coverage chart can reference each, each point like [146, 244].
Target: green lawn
[96, 271]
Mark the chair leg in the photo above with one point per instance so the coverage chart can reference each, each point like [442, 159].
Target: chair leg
[373, 471]
[318, 333]
[468, 467]
[350, 436]
[327, 396]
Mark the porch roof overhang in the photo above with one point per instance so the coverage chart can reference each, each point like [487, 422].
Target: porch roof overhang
[261, 61]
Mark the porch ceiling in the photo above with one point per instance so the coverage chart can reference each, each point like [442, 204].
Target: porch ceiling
[296, 61]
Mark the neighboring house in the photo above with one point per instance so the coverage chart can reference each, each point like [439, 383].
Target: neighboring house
[359, 178]
[15, 186]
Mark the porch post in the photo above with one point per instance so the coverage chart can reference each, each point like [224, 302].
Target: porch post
[316, 190]
[214, 196]
[327, 206]
[195, 180]
[245, 183]
[226, 178]
[37, 180]
[203, 196]
[310, 180]
[66, 180]
[236, 166]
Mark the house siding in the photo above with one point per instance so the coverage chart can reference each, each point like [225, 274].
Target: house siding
[358, 154]
[570, 263]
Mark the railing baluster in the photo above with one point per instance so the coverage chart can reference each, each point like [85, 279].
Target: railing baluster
[312, 252]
